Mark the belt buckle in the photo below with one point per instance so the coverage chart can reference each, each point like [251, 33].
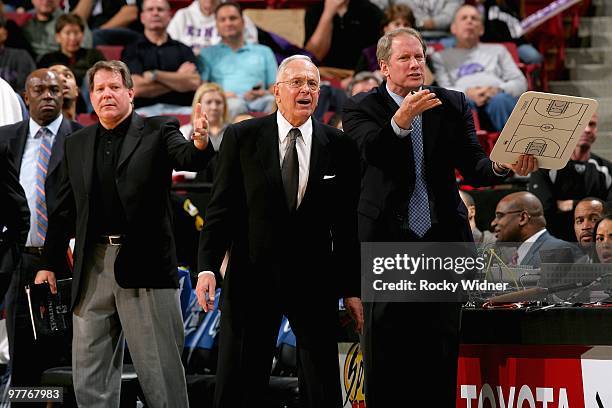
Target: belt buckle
[112, 238]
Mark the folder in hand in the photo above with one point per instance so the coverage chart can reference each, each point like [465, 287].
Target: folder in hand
[50, 314]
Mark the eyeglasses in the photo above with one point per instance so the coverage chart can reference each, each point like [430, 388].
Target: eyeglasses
[499, 215]
[300, 82]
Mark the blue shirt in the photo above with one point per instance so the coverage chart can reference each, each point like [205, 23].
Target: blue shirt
[27, 174]
[238, 71]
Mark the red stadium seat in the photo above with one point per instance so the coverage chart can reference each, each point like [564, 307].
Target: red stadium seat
[111, 52]
[87, 119]
[19, 18]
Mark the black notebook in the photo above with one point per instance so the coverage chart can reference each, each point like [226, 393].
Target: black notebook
[50, 314]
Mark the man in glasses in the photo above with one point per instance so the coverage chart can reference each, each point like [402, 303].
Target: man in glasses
[284, 203]
[519, 218]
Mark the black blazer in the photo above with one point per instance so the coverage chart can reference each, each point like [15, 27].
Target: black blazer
[313, 251]
[449, 142]
[15, 216]
[16, 136]
[151, 149]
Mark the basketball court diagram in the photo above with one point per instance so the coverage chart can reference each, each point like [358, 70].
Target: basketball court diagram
[545, 125]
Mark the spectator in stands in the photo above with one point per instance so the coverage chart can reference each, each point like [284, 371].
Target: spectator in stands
[115, 22]
[585, 175]
[245, 71]
[363, 82]
[40, 29]
[502, 24]
[394, 16]
[15, 64]
[31, 141]
[486, 73]
[586, 215]
[209, 98]
[70, 91]
[69, 32]
[519, 218]
[603, 240]
[15, 39]
[164, 70]
[196, 27]
[480, 237]
[433, 17]
[337, 30]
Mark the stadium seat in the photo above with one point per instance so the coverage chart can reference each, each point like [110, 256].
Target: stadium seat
[111, 52]
[19, 18]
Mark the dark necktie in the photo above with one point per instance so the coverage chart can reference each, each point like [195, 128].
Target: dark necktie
[290, 170]
[418, 214]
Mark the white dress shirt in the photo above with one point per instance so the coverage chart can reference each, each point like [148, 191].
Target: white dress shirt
[303, 145]
[27, 173]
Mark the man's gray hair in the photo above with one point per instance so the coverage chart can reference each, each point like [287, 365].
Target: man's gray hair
[118, 67]
[383, 49]
[362, 77]
[283, 66]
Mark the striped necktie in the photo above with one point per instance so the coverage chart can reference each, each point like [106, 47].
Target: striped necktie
[419, 219]
[42, 164]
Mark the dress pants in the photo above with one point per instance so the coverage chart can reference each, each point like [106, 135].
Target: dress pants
[106, 315]
[246, 349]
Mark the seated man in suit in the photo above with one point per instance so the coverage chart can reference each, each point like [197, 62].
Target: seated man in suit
[519, 218]
[588, 211]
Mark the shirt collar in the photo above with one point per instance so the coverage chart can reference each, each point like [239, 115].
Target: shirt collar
[284, 127]
[397, 98]
[245, 46]
[53, 126]
[121, 129]
[526, 245]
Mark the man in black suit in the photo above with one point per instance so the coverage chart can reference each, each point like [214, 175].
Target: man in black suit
[411, 139]
[519, 219]
[37, 146]
[284, 203]
[14, 218]
[115, 196]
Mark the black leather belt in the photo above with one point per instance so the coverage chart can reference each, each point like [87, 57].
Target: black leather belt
[111, 239]
[33, 250]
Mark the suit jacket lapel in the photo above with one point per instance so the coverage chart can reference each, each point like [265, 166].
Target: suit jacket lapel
[268, 156]
[319, 157]
[132, 139]
[534, 249]
[88, 146]
[18, 143]
[431, 130]
[57, 151]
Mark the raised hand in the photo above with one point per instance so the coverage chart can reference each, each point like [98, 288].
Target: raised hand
[413, 105]
[200, 127]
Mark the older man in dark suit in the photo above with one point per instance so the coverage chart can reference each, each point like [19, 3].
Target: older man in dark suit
[284, 202]
[411, 139]
[116, 196]
[37, 146]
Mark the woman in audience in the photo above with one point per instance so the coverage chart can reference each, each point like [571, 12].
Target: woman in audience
[69, 32]
[212, 99]
[603, 240]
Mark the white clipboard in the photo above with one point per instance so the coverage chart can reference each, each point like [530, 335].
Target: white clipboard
[545, 125]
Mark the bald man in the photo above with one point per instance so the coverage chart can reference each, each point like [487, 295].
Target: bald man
[519, 218]
[37, 148]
